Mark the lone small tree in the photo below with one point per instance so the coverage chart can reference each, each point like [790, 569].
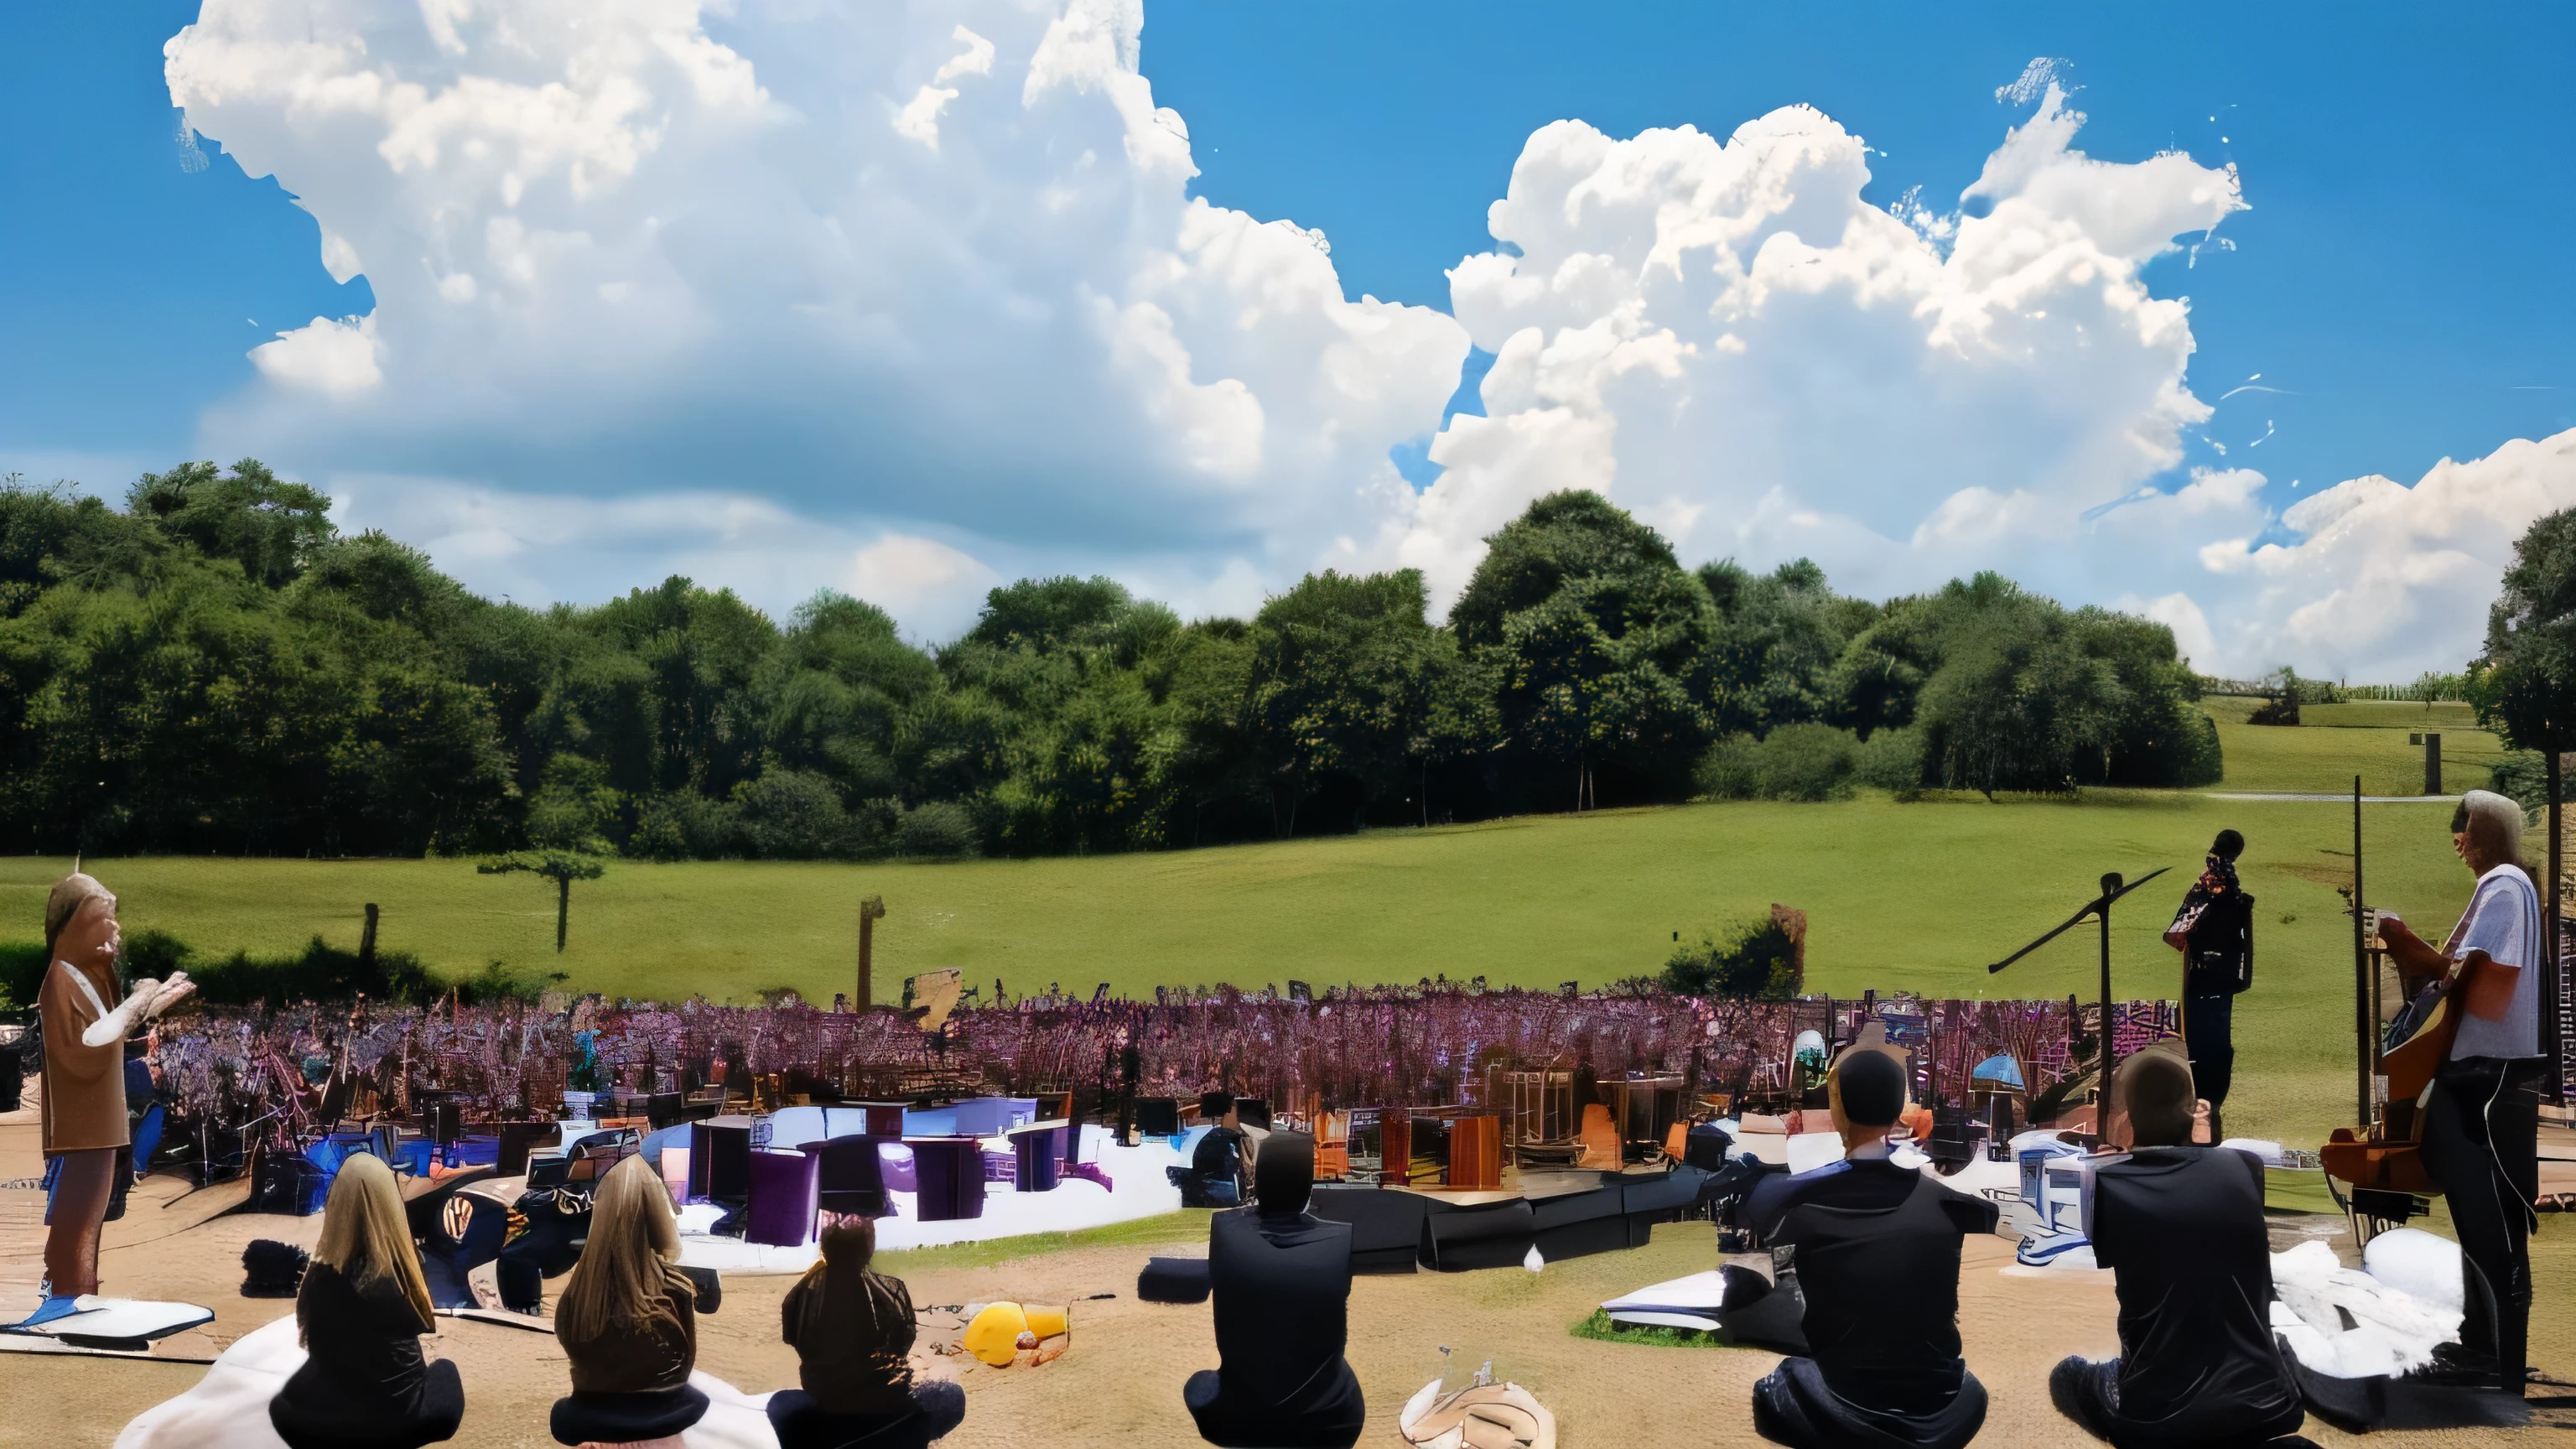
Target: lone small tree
[567, 842]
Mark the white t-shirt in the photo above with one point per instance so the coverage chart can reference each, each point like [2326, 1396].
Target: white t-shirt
[2503, 920]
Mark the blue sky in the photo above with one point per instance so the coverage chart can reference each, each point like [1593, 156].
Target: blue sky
[2400, 278]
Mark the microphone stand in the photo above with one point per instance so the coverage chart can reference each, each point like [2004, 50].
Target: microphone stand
[2100, 908]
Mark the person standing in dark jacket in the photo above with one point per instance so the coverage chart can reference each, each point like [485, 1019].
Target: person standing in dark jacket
[853, 1329]
[361, 1311]
[2181, 1227]
[2214, 931]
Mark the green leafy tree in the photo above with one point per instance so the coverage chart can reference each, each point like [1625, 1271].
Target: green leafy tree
[565, 839]
[1342, 669]
[1600, 641]
[260, 521]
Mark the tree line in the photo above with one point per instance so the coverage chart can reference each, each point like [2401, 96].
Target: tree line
[213, 667]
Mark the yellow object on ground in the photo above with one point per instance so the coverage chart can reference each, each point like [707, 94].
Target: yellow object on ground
[1001, 1331]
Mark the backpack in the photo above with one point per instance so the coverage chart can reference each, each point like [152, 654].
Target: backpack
[2219, 954]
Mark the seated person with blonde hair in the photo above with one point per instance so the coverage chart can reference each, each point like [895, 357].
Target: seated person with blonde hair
[628, 1321]
[852, 1328]
[1875, 1248]
[360, 1313]
[2181, 1225]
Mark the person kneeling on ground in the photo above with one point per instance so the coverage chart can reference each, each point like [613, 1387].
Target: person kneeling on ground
[1875, 1248]
[2182, 1228]
[1282, 1284]
[852, 1329]
[628, 1320]
[1217, 1162]
[360, 1313]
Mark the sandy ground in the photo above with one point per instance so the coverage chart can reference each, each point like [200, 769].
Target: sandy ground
[1120, 1382]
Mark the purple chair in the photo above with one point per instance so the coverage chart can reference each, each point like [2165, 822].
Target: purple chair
[1039, 1158]
[783, 1192]
[950, 1171]
[849, 1178]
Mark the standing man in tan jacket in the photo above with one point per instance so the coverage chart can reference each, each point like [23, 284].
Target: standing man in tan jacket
[83, 1106]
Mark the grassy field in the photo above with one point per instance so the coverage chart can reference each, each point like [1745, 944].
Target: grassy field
[2334, 742]
[1913, 897]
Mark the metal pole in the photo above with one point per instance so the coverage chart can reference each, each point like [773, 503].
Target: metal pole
[2361, 1022]
[2110, 1040]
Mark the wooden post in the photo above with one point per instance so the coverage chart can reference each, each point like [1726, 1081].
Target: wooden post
[2110, 1041]
[367, 946]
[870, 910]
[2362, 1025]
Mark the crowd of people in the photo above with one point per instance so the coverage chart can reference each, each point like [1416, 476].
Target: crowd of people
[1874, 1248]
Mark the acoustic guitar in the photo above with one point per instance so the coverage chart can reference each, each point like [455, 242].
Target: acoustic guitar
[2390, 1160]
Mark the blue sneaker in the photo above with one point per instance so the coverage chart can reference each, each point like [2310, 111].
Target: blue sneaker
[53, 1308]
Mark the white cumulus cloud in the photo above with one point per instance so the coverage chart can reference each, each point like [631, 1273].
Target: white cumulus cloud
[614, 254]
[913, 299]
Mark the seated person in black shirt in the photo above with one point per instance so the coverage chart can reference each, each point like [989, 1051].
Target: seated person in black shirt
[1875, 1248]
[2181, 1226]
[361, 1311]
[1216, 1164]
[1282, 1281]
[853, 1331]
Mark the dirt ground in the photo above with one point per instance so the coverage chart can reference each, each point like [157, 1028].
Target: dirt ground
[1120, 1383]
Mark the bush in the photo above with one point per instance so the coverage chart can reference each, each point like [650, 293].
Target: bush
[796, 815]
[1793, 762]
[682, 827]
[1892, 760]
[941, 829]
[1754, 961]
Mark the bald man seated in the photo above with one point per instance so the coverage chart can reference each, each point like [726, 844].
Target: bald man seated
[1282, 1281]
[2181, 1227]
[1875, 1248]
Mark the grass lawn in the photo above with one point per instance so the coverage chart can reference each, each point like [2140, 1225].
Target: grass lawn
[1913, 897]
[2334, 742]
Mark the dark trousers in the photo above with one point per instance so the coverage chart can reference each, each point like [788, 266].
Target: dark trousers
[2208, 1024]
[625, 1418]
[550, 1247]
[937, 1407]
[1795, 1406]
[2089, 1393]
[362, 1426]
[2481, 1142]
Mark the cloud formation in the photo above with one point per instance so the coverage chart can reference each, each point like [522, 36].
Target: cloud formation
[908, 300]
[928, 268]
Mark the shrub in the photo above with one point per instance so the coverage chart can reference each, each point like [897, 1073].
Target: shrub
[683, 827]
[1892, 760]
[796, 815]
[1754, 960]
[941, 829]
[1793, 762]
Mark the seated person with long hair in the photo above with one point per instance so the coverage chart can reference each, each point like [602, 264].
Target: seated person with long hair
[2182, 1228]
[360, 1312]
[1875, 1248]
[628, 1320]
[852, 1329]
[1282, 1286]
